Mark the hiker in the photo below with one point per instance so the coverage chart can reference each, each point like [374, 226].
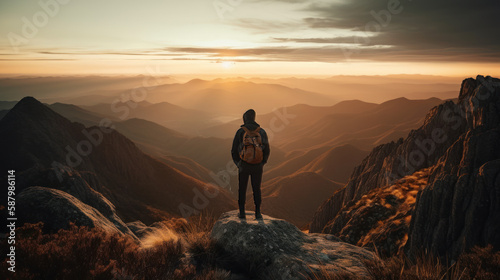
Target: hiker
[250, 152]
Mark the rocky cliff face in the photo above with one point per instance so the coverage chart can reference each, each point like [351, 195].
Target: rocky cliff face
[394, 160]
[380, 219]
[461, 142]
[461, 206]
[279, 250]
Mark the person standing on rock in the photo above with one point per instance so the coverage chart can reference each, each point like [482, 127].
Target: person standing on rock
[250, 152]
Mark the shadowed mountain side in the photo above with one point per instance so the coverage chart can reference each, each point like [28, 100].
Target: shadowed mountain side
[337, 163]
[397, 114]
[188, 167]
[133, 181]
[3, 113]
[372, 136]
[80, 115]
[210, 152]
[294, 161]
[166, 144]
[334, 163]
[7, 105]
[295, 197]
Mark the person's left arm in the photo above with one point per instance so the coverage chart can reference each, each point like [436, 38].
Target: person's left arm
[267, 148]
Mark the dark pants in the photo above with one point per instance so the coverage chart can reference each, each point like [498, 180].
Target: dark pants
[255, 173]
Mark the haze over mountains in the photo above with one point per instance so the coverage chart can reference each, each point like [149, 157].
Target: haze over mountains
[314, 148]
[200, 94]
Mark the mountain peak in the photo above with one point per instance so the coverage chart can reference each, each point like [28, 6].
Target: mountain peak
[29, 105]
[29, 101]
[29, 109]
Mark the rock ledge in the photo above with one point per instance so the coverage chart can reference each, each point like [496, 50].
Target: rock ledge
[281, 251]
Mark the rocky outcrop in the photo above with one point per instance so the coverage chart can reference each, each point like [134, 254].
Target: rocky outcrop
[279, 250]
[392, 161]
[380, 219]
[461, 206]
[388, 162]
[56, 209]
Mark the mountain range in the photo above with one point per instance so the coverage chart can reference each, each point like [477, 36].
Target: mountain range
[46, 149]
[327, 162]
[458, 147]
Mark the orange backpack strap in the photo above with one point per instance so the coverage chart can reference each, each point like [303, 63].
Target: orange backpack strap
[258, 129]
[245, 129]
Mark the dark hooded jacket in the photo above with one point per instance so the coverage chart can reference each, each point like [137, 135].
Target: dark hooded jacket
[249, 122]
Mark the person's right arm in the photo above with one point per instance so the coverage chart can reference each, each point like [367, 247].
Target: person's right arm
[235, 148]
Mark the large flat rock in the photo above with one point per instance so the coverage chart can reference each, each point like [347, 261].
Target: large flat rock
[281, 251]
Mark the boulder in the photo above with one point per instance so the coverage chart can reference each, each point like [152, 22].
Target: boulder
[276, 249]
[56, 209]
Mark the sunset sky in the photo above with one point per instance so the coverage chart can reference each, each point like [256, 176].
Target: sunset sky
[250, 37]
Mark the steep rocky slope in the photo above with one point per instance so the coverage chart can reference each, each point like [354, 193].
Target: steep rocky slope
[459, 207]
[380, 219]
[295, 197]
[389, 162]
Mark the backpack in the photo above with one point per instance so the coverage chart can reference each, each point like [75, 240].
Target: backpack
[251, 151]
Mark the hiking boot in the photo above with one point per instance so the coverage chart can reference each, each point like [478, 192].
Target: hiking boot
[242, 215]
[258, 215]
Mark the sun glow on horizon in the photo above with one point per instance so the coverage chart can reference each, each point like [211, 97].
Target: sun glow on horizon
[228, 64]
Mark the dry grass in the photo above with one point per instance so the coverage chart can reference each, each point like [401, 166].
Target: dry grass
[82, 253]
[479, 263]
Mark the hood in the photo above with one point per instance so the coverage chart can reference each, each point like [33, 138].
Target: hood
[249, 120]
[249, 116]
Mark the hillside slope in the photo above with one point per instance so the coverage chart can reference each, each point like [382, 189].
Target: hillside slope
[139, 186]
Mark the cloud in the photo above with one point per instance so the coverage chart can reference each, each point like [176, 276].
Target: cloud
[419, 25]
[336, 49]
[334, 54]
[425, 30]
[266, 26]
[331, 40]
